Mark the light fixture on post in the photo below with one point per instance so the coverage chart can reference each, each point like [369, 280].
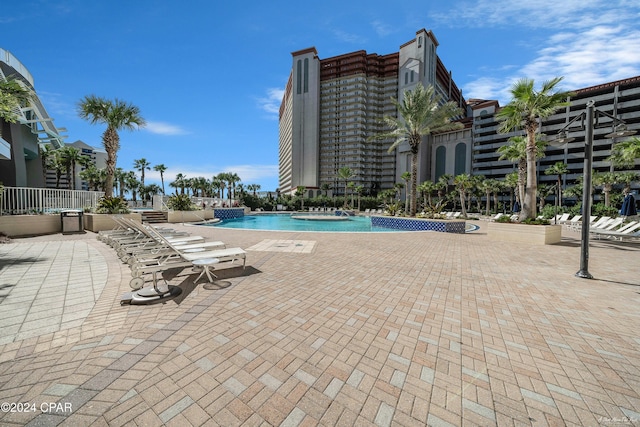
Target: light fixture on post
[587, 124]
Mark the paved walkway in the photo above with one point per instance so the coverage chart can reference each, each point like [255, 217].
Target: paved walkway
[325, 329]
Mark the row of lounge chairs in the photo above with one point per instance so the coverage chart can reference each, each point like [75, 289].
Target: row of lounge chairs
[602, 227]
[149, 250]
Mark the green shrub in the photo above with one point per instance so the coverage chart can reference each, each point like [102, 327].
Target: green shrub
[112, 205]
[181, 202]
[599, 209]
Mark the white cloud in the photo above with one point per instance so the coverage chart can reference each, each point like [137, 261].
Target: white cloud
[271, 103]
[162, 128]
[348, 37]
[547, 14]
[592, 43]
[381, 28]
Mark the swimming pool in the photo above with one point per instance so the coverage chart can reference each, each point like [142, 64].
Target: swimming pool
[284, 222]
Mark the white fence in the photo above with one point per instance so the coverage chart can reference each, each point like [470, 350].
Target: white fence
[25, 200]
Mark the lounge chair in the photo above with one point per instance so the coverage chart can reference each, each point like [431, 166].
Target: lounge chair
[630, 230]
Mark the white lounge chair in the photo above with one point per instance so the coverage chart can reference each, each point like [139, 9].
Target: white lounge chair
[630, 230]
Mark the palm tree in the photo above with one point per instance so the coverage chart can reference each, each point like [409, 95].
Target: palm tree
[46, 153]
[558, 169]
[300, 190]
[515, 150]
[345, 173]
[488, 186]
[162, 169]
[117, 115]
[525, 110]
[545, 190]
[420, 113]
[426, 188]
[359, 190]
[406, 177]
[71, 157]
[120, 177]
[141, 165]
[351, 186]
[511, 182]
[254, 188]
[607, 180]
[625, 153]
[463, 183]
[443, 184]
[325, 187]
[92, 175]
[132, 183]
[58, 165]
[232, 179]
[627, 178]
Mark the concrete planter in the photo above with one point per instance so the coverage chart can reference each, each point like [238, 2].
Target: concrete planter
[525, 233]
[100, 222]
[189, 216]
[30, 225]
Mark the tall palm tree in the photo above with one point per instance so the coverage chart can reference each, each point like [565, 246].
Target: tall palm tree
[426, 188]
[117, 115]
[71, 157]
[420, 113]
[627, 178]
[254, 188]
[325, 187]
[141, 165]
[525, 110]
[545, 190]
[463, 183]
[162, 169]
[625, 153]
[345, 173]
[58, 165]
[443, 184]
[120, 177]
[92, 176]
[46, 153]
[406, 177]
[558, 169]
[607, 180]
[132, 183]
[511, 181]
[488, 186]
[515, 150]
[217, 185]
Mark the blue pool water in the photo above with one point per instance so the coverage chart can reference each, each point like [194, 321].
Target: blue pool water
[284, 222]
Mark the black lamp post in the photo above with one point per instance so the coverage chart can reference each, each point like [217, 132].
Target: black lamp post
[587, 124]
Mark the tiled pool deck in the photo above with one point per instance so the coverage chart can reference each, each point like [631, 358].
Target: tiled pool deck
[385, 329]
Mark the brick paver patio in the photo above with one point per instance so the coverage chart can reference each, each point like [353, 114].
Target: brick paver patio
[386, 329]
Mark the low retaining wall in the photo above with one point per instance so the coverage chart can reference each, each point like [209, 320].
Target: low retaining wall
[189, 216]
[418, 224]
[30, 225]
[101, 222]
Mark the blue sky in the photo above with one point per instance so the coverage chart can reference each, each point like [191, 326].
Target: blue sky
[208, 75]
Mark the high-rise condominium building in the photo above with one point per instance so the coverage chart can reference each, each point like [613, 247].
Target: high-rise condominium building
[332, 107]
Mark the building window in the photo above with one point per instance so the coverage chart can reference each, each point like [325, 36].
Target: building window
[461, 159]
[306, 75]
[299, 77]
[441, 161]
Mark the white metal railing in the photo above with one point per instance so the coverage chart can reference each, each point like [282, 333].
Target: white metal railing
[25, 200]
